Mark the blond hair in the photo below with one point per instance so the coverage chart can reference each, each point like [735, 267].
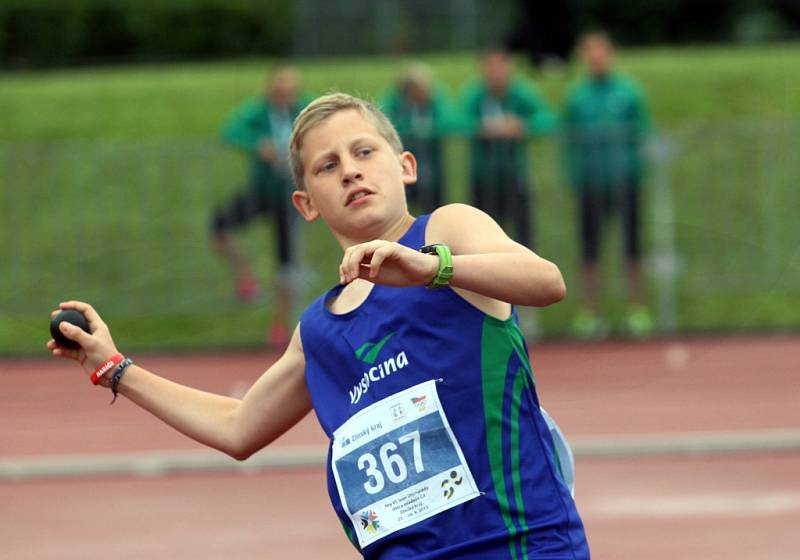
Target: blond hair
[326, 106]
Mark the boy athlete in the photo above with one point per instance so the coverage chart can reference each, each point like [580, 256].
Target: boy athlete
[438, 448]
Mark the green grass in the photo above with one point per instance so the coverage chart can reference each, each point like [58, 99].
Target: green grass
[684, 84]
[108, 176]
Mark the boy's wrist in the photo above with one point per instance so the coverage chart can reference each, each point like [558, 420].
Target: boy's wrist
[101, 372]
[444, 269]
[433, 269]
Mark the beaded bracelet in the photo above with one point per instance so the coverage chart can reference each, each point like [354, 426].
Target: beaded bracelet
[121, 369]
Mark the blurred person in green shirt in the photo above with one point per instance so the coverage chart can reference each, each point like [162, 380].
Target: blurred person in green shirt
[422, 115]
[501, 113]
[605, 125]
[261, 128]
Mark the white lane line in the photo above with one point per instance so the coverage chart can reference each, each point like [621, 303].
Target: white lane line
[695, 505]
[687, 443]
[156, 463]
[290, 457]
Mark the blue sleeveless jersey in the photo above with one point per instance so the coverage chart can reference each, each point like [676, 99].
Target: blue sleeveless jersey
[438, 446]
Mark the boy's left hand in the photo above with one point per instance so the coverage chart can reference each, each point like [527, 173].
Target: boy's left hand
[387, 263]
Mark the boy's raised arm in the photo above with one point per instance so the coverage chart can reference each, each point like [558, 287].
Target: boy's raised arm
[485, 260]
[488, 262]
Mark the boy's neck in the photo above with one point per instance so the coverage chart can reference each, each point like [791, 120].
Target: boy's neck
[393, 232]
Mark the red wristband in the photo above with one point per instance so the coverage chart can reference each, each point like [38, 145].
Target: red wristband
[106, 366]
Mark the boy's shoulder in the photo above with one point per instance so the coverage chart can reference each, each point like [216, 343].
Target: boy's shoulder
[448, 212]
[451, 222]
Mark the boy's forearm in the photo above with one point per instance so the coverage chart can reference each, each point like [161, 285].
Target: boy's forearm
[517, 278]
[204, 417]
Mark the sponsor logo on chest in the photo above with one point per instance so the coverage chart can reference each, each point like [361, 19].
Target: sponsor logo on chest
[379, 369]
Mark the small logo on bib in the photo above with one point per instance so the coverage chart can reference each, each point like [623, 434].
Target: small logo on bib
[447, 484]
[398, 412]
[369, 521]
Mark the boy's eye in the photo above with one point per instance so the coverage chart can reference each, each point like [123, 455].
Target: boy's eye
[329, 166]
[363, 152]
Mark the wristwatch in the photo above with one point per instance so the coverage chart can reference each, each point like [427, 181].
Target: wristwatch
[445, 272]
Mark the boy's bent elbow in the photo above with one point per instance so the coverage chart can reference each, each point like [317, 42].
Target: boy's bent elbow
[235, 450]
[559, 290]
[242, 451]
[241, 455]
[551, 288]
[558, 286]
[240, 446]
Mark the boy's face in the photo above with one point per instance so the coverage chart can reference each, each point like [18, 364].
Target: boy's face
[353, 178]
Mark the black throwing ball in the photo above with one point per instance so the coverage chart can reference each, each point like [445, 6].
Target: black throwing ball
[70, 316]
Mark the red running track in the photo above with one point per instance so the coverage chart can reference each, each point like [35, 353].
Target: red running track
[735, 506]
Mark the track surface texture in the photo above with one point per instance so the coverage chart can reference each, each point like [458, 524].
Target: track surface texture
[743, 503]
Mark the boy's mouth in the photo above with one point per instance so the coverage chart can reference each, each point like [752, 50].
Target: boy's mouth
[356, 195]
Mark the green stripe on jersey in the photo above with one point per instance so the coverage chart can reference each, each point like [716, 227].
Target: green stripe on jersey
[520, 382]
[351, 535]
[500, 340]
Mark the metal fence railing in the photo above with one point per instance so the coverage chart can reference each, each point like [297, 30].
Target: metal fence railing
[730, 191]
[125, 225]
[744, 177]
[389, 26]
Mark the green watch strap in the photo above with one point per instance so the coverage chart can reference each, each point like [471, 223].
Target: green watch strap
[445, 272]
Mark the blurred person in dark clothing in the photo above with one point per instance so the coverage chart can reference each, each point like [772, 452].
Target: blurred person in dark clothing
[502, 112]
[606, 121]
[422, 115]
[261, 128]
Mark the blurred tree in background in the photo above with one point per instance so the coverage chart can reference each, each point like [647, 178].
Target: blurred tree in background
[693, 21]
[42, 33]
[46, 33]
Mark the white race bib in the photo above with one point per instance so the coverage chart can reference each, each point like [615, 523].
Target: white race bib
[397, 463]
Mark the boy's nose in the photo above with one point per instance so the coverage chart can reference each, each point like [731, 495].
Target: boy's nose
[350, 172]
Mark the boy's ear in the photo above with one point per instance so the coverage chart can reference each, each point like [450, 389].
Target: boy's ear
[409, 164]
[302, 201]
